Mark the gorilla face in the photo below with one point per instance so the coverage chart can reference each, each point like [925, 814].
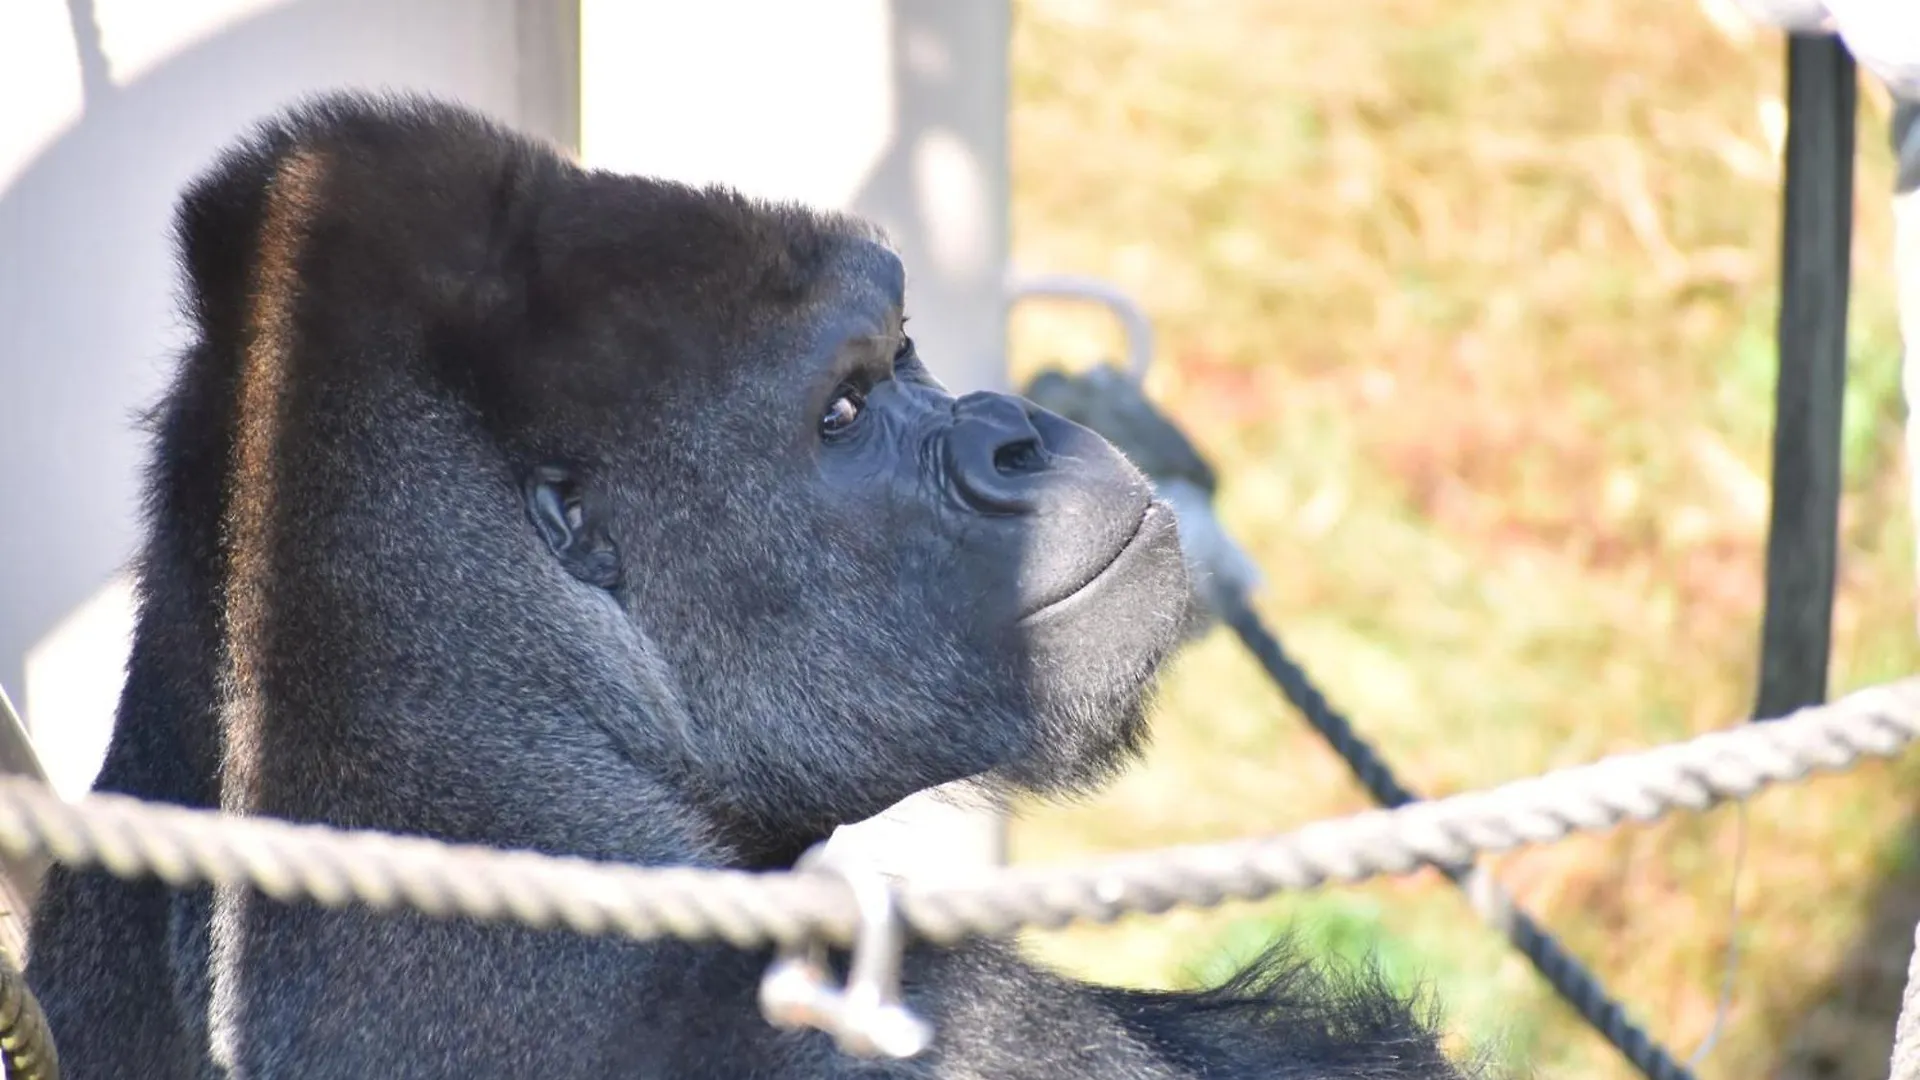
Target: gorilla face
[862, 585]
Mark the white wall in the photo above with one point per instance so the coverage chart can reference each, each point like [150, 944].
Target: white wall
[110, 106]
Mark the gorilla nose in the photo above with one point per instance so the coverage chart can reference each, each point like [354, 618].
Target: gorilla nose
[1068, 503]
[994, 454]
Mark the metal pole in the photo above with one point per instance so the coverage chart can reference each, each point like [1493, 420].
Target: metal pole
[1906, 218]
[1816, 242]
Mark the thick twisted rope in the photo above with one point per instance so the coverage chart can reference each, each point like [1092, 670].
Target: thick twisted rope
[1645, 786]
[385, 872]
[336, 868]
[25, 1043]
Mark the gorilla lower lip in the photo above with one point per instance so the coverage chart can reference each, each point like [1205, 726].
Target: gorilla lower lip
[1154, 520]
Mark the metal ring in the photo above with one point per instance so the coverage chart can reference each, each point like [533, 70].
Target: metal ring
[1133, 318]
[866, 1017]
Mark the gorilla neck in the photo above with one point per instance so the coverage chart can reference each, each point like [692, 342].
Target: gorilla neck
[745, 840]
[752, 850]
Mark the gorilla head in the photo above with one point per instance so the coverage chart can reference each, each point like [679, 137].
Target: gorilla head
[860, 584]
[838, 582]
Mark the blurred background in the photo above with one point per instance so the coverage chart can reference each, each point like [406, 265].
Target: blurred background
[1471, 303]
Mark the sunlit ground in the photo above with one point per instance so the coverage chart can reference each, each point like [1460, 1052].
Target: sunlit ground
[1472, 303]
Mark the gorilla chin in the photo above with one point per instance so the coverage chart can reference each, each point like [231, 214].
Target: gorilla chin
[1101, 648]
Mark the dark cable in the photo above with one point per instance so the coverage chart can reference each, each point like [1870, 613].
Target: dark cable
[1561, 969]
[1816, 244]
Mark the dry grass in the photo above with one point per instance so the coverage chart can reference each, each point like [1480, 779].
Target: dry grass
[1472, 301]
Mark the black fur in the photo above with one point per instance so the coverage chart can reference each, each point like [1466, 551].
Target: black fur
[508, 502]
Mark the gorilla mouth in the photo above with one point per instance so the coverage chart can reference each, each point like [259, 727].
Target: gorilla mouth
[1154, 522]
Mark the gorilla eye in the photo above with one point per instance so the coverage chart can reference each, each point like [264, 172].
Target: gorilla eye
[905, 352]
[842, 412]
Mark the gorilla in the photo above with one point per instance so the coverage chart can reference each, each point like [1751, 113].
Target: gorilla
[506, 501]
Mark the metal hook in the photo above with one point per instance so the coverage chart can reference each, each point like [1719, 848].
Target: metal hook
[1133, 318]
[866, 1017]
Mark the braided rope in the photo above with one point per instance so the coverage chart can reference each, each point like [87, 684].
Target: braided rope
[25, 1043]
[336, 867]
[1692, 775]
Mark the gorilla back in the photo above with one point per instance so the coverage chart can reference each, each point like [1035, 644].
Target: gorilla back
[504, 501]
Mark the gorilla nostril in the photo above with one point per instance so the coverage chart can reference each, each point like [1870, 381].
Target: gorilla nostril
[1019, 458]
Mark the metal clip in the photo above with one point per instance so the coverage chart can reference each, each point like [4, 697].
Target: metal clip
[866, 1017]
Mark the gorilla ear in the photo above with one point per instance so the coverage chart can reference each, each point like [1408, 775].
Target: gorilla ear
[572, 526]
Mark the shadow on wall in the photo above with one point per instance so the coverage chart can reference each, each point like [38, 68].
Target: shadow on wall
[87, 298]
[939, 194]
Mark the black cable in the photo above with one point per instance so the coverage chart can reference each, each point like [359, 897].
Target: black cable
[1560, 968]
[1816, 247]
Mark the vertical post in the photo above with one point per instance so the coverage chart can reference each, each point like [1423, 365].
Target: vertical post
[1816, 240]
[895, 109]
[548, 76]
[1906, 218]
